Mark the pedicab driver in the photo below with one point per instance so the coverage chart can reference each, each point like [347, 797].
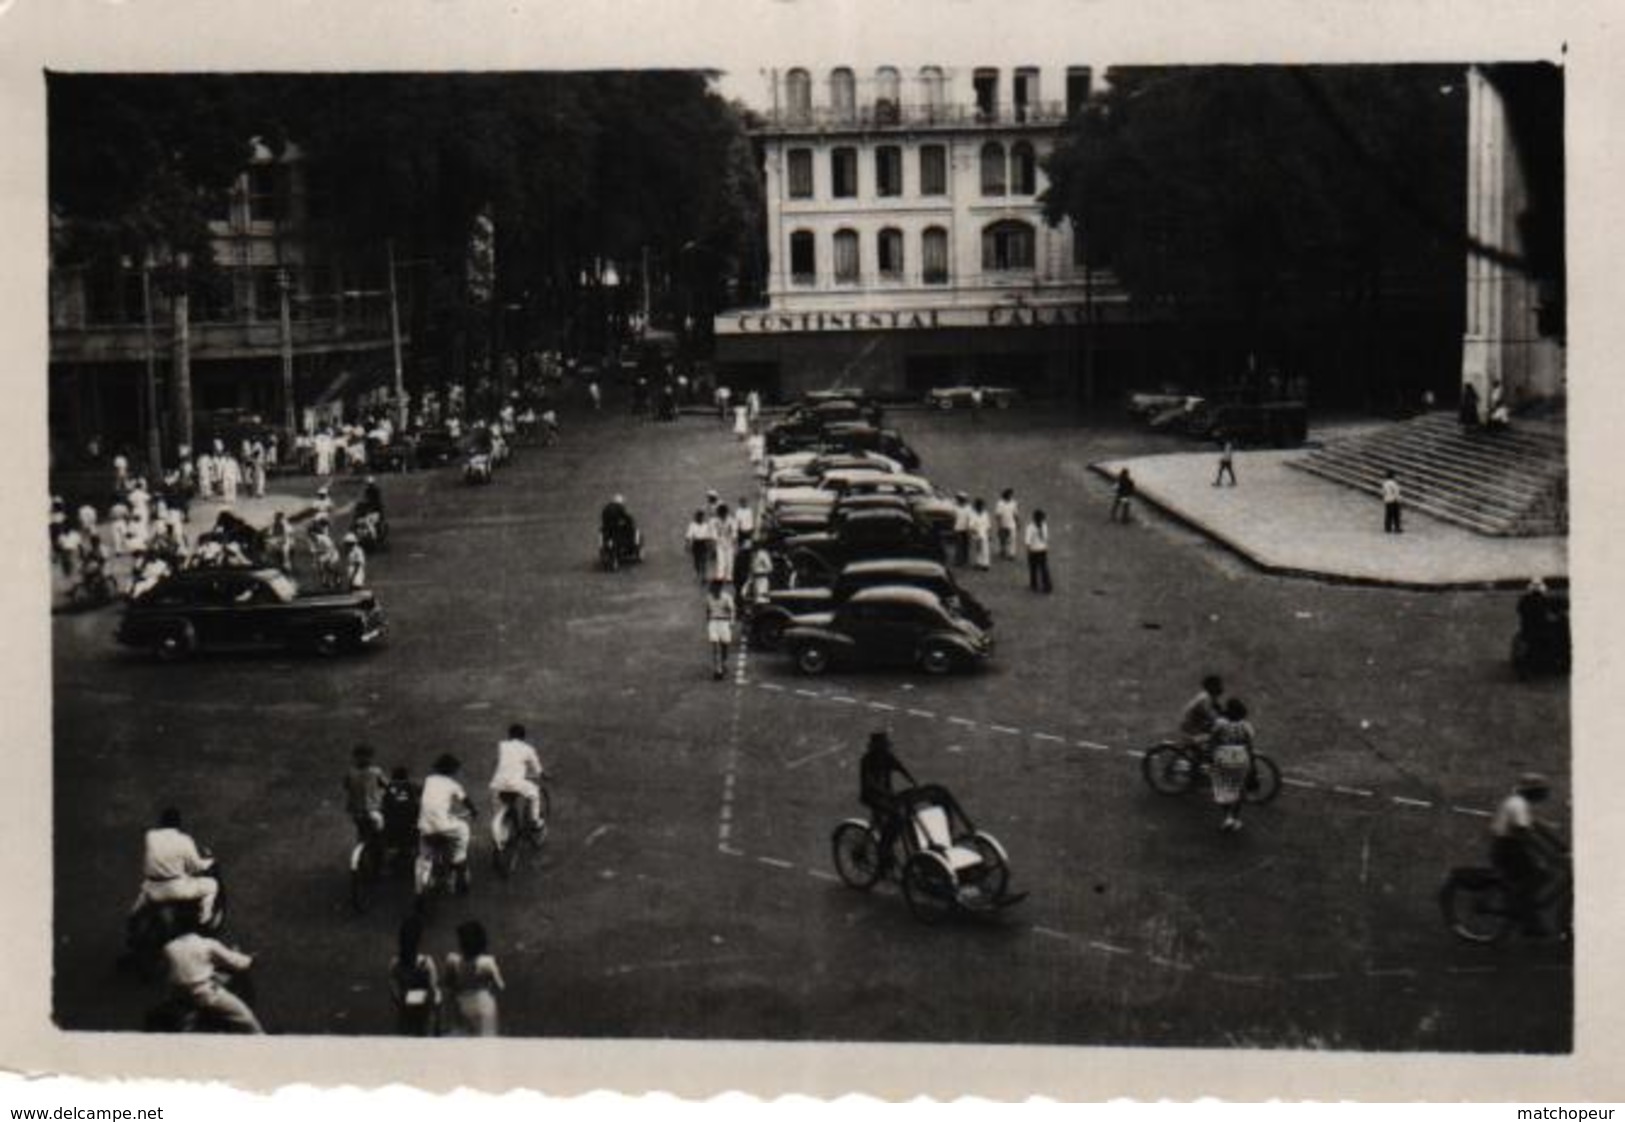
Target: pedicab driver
[443, 813]
[875, 788]
[518, 769]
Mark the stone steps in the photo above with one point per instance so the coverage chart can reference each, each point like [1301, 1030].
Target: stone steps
[1509, 483]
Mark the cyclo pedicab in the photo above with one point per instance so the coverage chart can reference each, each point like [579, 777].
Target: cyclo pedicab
[944, 864]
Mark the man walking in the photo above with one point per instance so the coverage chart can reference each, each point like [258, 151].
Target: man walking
[1006, 520]
[1227, 463]
[719, 627]
[1037, 541]
[1390, 504]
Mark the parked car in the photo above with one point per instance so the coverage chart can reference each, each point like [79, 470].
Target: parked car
[856, 436]
[864, 534]
[785, 606]
[962, 397]
[1144, 406]
[1280, 424]
[218, 609]
[892, 625]
[791, 519]
[806, 424]
[808, 471]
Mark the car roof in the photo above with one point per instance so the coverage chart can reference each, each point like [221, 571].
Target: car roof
[897, 594]
[901, 566]
[880, 514]
[858, 474]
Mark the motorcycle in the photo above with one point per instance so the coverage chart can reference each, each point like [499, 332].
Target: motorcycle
[477, 468]
[155, 923]
[371, 529]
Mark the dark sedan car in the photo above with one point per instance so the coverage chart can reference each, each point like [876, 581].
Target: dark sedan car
[858, 436]
[785, 606]
[859, 536]
[891, 625]
[230, 609]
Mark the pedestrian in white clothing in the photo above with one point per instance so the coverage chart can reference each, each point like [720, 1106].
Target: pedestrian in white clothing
[981, 535]
[1006, 523]
[1037, 541]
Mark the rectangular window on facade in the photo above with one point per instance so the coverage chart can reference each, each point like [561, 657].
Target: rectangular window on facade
[803, 258]
[267, 193]
[934, 256]
[933, 169]
[846, 257]
[1024, 92]
[843, 166]
[986, 83]
[889, 254]
[1007, 246]
[888, 171]
[1077, 88]
[801, 173]
[267, 295]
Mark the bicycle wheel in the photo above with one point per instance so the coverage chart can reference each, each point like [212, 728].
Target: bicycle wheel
[1168, 769]
[364, 874]
[857, 854]
[1476, 909]
[992, 877]
[1265, 781]
[504, 843]
[929, 888]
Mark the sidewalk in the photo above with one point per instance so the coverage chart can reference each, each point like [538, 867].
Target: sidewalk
[1289, 522]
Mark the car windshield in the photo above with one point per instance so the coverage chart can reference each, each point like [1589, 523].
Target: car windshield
[286, 591]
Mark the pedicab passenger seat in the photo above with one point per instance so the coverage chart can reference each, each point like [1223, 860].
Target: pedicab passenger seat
[931, 829]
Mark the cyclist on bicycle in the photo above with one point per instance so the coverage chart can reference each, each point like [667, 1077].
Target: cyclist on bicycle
[518, 769]
[875, 789]
[401, 811]
[1201, 715]
[1523, 849]
[364, 787]
[443, 814]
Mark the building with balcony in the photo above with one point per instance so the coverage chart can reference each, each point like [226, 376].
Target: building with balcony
[906, 240]
[109, 321]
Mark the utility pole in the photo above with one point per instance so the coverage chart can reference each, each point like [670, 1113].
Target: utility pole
[643, 331]
[395, 340]
[183, 353]
[155, 445]
[290, 429]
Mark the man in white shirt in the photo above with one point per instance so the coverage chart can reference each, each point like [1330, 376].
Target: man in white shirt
[1522, 847]
[1037, 542]
[443, 814]
[173, 870]
[518, 769]
[196, 963]
[1006, 518]
[1390, 505]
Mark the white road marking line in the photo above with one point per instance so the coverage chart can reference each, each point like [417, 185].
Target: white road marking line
[1132, 753]
[1005, 728]
[1049, 736]
[883, 707]
[1109, 948]
[775, 862]
[723, 830]
[823, 874]
[821, 753]
[727, 812]
[1403, 801]
[1359, 791]
[1472, 811]
[962, 721]
[1170, 963]
[1091, 744]
[1305, 783]
[1050, 931]
[844, 700]
[770, 686]
[730, 851]
[922, 713]
[1314, 977]
[1365, 859]
[808, 693]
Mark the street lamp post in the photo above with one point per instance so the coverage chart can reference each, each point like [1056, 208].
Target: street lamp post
[395, 341]
[181, 304]
[284, 284]
[155, 446]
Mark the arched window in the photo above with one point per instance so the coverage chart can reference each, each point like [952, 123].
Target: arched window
[1006, 246]
[798, 96]
[992, 168]
[843, 93]
[934, 255]
[847, 269]
[889, 253]
[888, 95]
[1023, 169]
[803, 258]
[931, 91]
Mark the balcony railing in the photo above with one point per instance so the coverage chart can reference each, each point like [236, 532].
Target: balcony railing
[886, 115]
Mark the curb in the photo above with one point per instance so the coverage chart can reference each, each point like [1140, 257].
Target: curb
[1322, 576]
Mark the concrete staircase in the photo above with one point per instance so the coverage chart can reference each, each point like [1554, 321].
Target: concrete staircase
[1510, 483]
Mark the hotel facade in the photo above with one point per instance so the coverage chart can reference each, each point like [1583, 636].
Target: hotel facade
[906, 239]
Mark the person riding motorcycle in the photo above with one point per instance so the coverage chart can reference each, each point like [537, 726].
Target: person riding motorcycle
[616, 528]
[1523, 849]
[173, 870]
[517, 771]
[875, 789]
[364, 787]
[443, 815]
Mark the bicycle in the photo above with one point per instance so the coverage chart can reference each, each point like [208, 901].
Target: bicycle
[1476, 903]
[512, 828]
[1177, 769]
[371, 859]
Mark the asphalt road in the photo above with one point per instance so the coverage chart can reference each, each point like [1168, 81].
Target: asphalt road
[687, 889]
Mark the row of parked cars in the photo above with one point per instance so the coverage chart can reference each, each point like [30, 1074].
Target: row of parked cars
[859, 543]
[1244, 416]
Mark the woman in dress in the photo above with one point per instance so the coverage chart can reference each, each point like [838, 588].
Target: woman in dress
[474, 981]
[1232, 761]
[981, 535]
[414, 983]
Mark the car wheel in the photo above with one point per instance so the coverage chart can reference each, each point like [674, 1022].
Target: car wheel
[176, 643]
[937, 659]
[812, 658]
[768, 630]
[944, 403]
[327, 643]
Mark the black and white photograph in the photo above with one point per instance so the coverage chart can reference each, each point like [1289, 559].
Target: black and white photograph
[864, 541]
